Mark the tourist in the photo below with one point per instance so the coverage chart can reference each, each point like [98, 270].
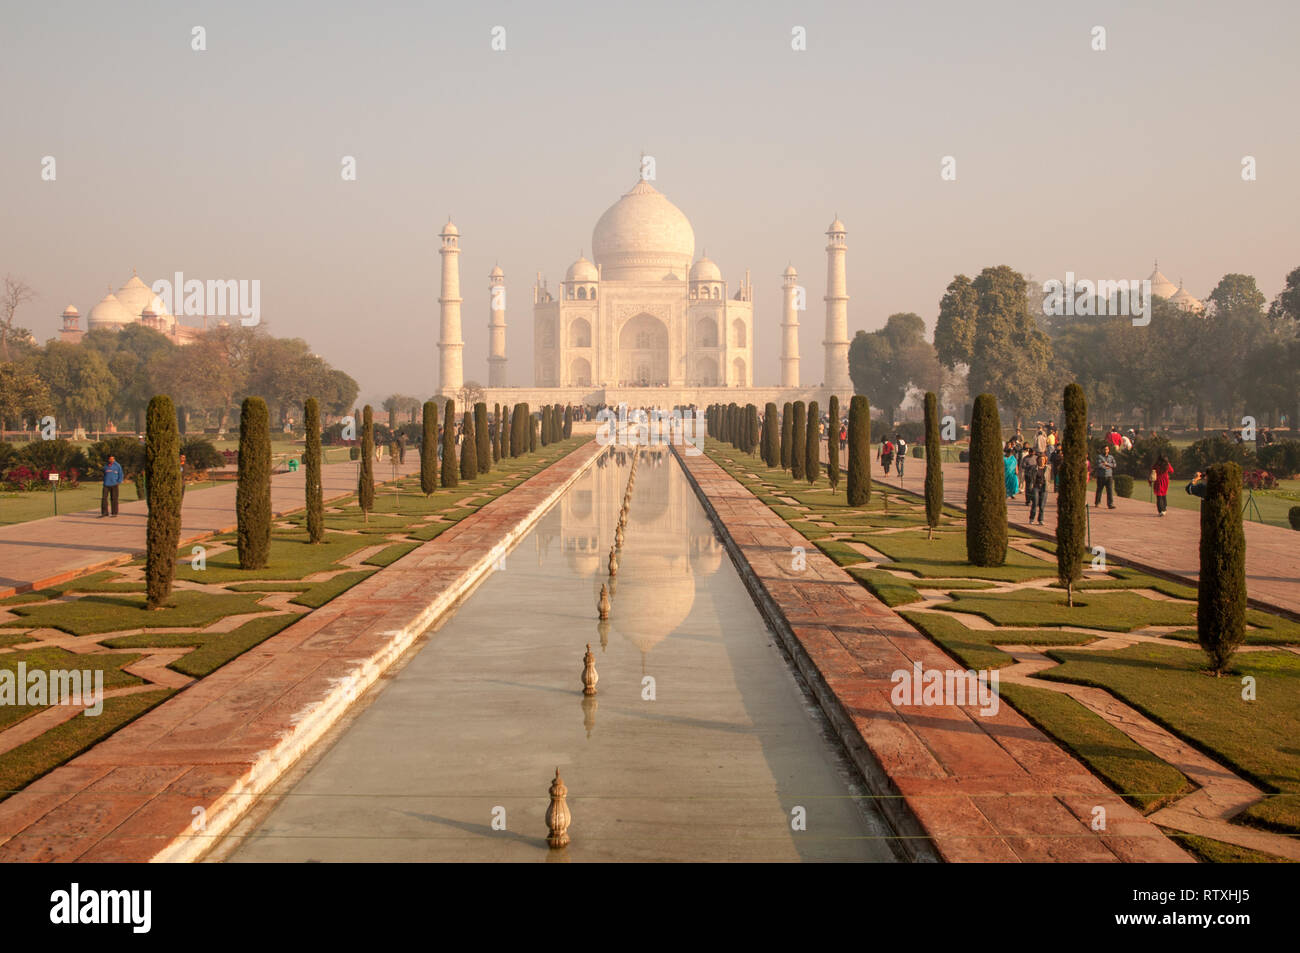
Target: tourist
[886, 455]
[1037, 481]
[1159, 480]
[1040, 441]
[1197, 486]
[1055, 460]
[844, 436]
[1106, 477]
[900, 454]
[113, 477]
[1113, 438]
[182, 476]
[1009, 472]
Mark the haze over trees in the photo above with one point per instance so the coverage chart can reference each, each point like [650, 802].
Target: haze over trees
[884, 365]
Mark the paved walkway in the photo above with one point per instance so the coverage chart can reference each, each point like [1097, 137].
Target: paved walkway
[168, 784]
[1134, 534]
[977, 787]
[49, 551]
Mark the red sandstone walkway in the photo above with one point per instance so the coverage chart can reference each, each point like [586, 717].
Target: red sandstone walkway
[171, 782]
[979, 788]
[49, 551]
[1134, 534]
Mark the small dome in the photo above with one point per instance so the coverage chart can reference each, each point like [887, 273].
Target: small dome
[581, 270]
[705, 270]
[836, 226]
[450, 229]
[109, 313]
[71, 311]
[790, 272]
[496, 272]
[1162, 286]
[1183, 299]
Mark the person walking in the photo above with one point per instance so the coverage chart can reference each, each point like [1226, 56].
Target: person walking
[844, 437]
[1036, 478]
[1055, 461]
[1009, 472]
[113, 477]
[1040, 441]
[1106, 477]
[900, 455]
[1159, 479]
[886, 455]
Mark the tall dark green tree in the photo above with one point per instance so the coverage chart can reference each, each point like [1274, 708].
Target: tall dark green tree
[568, 421]
[812, 458]
[1072, 492]
[545, 428]
[429, 449]
[518, 440]
[833, 444]
[484, 449]
[986, 489]
[771, 437]
[311, 461]
[366, 478]
[1221, 586]
[532, 433]
[449, 464]
[162, 461]
[787, 433]
[798, 440]
[933, 464]
[496, 433]
[857, 488]
[253, 490]
[468, 448]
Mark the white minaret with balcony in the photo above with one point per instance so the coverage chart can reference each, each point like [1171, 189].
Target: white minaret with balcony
[497, 328]
[836, 376]
[790, 328]
[452, 376]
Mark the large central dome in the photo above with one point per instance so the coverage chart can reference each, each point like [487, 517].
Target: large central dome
[643, 237]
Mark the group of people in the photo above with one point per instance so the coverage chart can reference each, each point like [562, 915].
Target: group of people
[892, 452]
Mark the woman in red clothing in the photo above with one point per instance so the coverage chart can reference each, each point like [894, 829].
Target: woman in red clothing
[1159, 480]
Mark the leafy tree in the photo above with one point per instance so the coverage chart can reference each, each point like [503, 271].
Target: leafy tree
[933, 464]
[954, 332]
[429, 449]
[885, 364]
[163, 479]
[23, 395]
[311, 459]
[449, 445]
[1221, 585]
[1072, 496]
[986, 493]
[253, 490]
[858, 487]
[81, 385]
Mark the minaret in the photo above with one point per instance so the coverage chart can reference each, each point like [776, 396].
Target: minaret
[497, 328]
[452, 376]
[790, 330]
[836, 376]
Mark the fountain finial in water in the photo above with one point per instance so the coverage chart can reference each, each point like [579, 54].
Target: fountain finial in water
[602, 607]
[589, 676]
[557, 815]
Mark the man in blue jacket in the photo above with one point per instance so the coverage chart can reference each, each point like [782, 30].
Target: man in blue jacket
[112, 480]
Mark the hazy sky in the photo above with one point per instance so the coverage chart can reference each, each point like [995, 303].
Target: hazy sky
[226, 163]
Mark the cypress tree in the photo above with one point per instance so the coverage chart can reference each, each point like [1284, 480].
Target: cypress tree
[429, 449]
[833, 444]
[568, 421]
[544, 428]
[1072, 492]
[253, 490]
[532, 434]
[933, 463]
[366, 481]
[311, 460]
[449, 444]
[751, 419]
[771, 454]
[468, 448]
[517, 439]
[162, 463]
[986, 489]
[798, 441]
[857, 487]
[1221, 587]
[496, 433]
[787, 432]
[557, 423]
[483, 458]
[812, 458]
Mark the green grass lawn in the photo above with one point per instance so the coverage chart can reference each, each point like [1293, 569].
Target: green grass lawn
[98, 613]
[1112, 610]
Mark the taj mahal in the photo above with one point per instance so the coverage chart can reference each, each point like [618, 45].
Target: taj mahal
[646, 322]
